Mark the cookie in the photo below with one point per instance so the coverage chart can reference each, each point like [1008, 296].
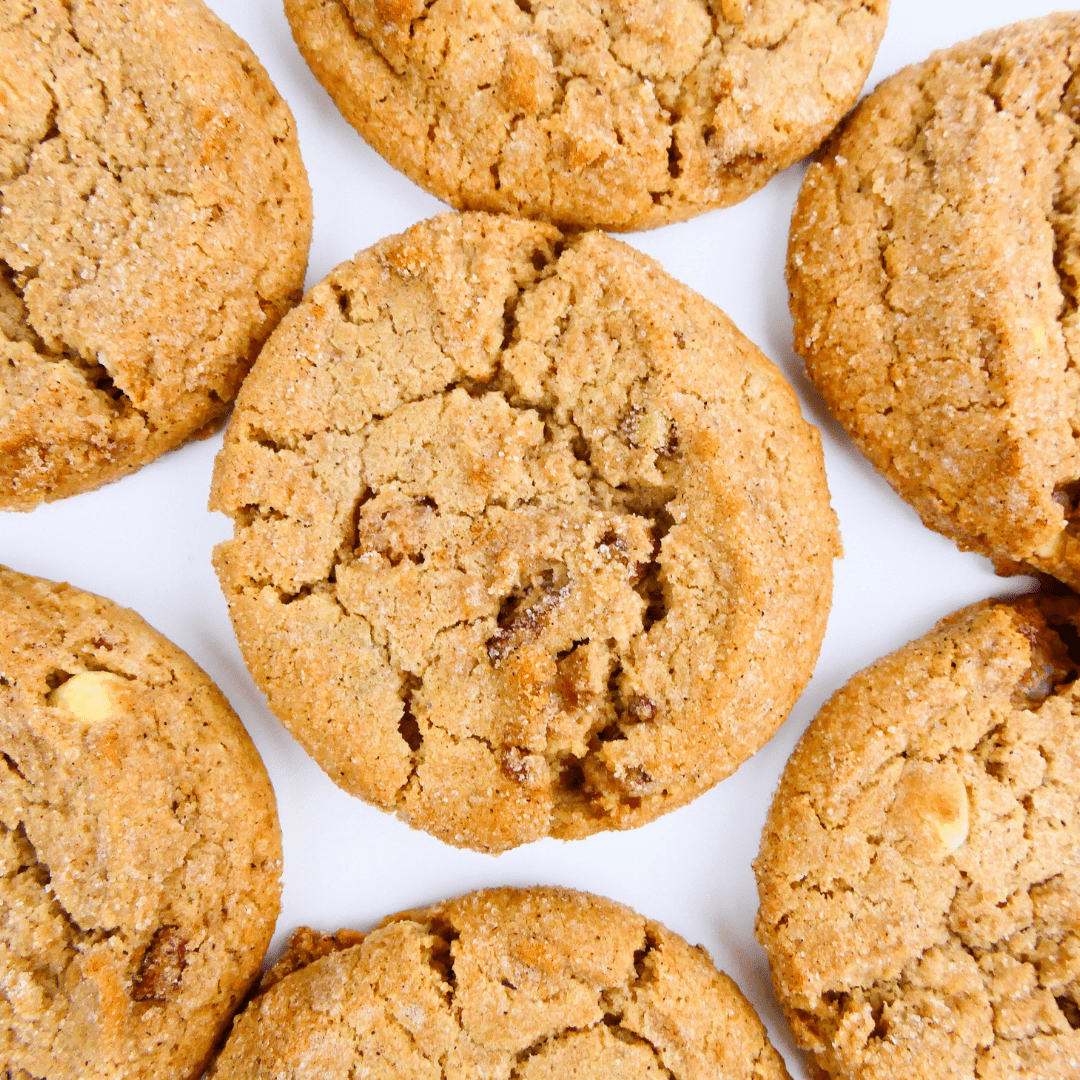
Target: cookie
[529, 539]
[933, 267]
[920, 866]
[154, 225]
[531, 983]
[139, 845]
[622, 115]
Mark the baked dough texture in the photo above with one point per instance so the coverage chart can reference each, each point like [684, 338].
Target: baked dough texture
[154, 225]
[621, 114]
[529, 539]
[933, 267]
[139, 846]
[919, 870]
[505, 984]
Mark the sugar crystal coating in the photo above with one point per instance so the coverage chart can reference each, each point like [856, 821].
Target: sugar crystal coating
[510, 513]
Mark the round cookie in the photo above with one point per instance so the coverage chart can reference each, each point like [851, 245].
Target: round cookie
[622, 115]
[154, 225]
[933, 268]
[527, 983]
[529, 539]
[920, 866]
[139, 846]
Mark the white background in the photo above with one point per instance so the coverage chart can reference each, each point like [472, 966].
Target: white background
[145, 542]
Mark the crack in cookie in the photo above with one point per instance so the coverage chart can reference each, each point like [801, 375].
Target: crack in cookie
[154, 224]
[523, 579]
[526, 984]
[124, 876]
[933, 272]
[919, 900]
[623, 115]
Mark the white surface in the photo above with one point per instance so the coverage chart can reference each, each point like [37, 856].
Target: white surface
[145, 542]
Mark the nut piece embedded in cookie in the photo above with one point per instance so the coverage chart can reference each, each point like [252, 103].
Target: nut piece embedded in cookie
[933, 275]
[91, 696]
[531, 983]
[509, 512]
[930, 812]
[918, 853]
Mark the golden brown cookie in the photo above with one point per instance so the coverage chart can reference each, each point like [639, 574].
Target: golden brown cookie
[533, 984]
[624, 114]
[933, 267]
[529, 539]
[920, 867]
[139, 845]
[154, 225]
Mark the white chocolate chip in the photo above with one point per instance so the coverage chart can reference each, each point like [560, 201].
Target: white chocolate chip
[952, 831]
[92, 696]
[930, 811]
[1052, 547]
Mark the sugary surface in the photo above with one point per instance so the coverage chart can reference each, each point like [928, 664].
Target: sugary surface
[506, 984]
[625, 114]
[920, 867]
[139, 845]
[933, 273]
[512, 511]
[154, 225]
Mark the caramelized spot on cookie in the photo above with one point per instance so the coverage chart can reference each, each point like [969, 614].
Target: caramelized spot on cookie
[520, 621]
[641, 709]
[1070, 1010]
[1068, 497]
[304, 947]
[162, 967]
[1051, 663]
[410, 730]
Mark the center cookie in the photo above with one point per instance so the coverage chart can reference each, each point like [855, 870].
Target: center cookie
[529, 539]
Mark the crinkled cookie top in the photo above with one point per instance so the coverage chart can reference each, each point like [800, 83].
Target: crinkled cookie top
[933, 266]
[139, 845]
[515, 984]
[154, 225]
[920, 867]
[622, 114]
[528, 538]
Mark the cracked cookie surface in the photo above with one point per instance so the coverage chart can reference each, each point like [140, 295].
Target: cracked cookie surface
[621, 114]
[139, 846]
[511, 984]
[154, 225]
[528, 538]
[919, 871]
[933, 269]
